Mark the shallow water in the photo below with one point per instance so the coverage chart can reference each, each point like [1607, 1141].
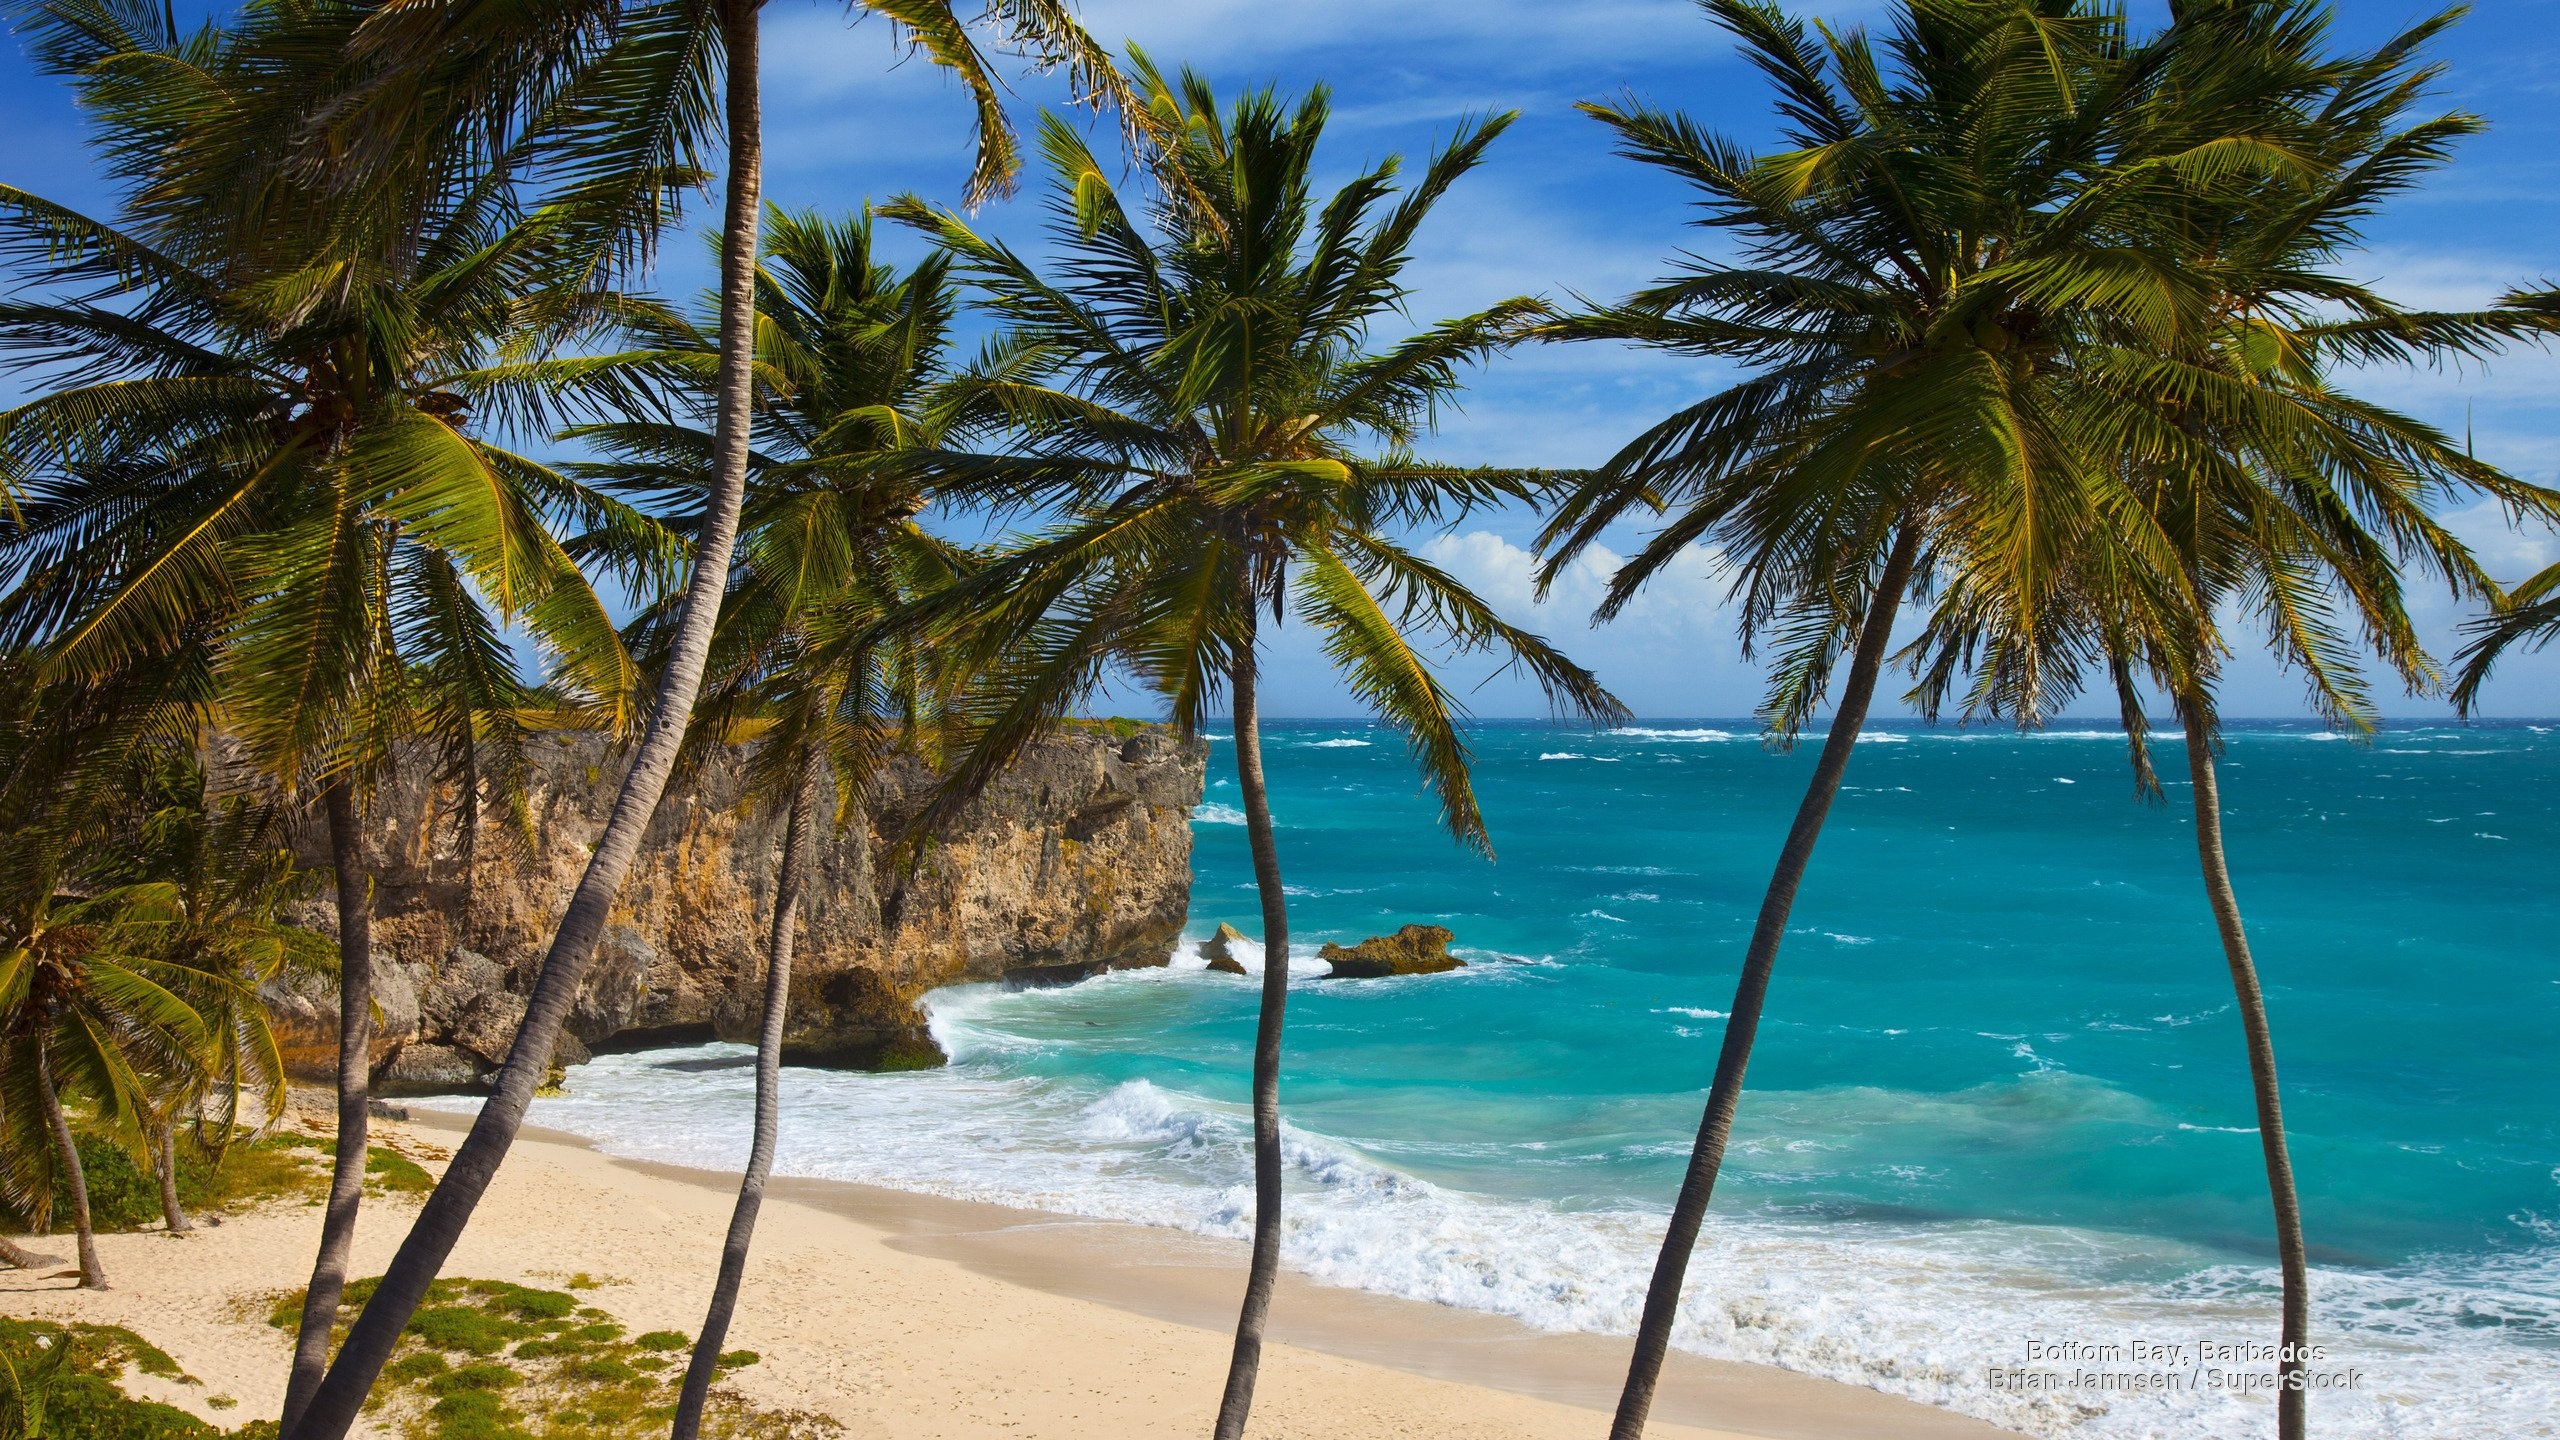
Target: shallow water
[2000, 1096]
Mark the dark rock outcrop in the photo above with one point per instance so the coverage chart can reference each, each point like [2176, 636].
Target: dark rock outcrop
[1077, 859]
[1413, 950]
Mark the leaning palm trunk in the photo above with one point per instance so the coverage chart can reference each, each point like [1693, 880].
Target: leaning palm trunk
[93, 1276]
[475, 1162]
[1246, 1364]
[18, 1257]
[355, 1059]
[2262, 1069]
[165, 1159]
[799, 847]
[1751, 994]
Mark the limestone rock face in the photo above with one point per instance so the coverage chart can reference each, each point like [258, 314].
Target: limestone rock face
[1413, 950]
[1077, 859]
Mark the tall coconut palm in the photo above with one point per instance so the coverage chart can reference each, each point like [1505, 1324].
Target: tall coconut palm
[2288, 500]
[829, 550]
[626, 118]
[1192, 391]
[1951, 213]
[261, 448]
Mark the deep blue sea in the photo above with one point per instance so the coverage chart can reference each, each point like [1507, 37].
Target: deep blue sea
[2000, 1097]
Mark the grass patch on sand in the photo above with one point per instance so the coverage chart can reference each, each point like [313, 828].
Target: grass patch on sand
[61, 1382]
[124, 1190]
[491, 1360]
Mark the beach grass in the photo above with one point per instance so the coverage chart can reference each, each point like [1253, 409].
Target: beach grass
[125, 1195]
[494, 1360]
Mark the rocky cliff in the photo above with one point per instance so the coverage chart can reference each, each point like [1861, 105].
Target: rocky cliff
[1077, 860]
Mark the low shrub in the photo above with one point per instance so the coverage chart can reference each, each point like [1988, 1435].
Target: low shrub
[124, 1190]
[460, 1327]
[59, 1382]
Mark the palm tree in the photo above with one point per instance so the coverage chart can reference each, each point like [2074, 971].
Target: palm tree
[62, 750]
[829, 550]
[260, 448]
[2287, 500]
[204, 884]
[1916, 270]
[1191, 393]
[84, 1009]
[629, 117]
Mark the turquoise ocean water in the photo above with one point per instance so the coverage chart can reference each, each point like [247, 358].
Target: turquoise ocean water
[2000, 1098]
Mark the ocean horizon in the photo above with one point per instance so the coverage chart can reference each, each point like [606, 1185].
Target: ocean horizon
[2000, 1100]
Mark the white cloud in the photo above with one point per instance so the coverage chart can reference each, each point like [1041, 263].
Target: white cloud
[1545, 33]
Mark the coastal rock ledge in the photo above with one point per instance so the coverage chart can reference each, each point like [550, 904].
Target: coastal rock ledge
[1076, 860]
[1413, 950]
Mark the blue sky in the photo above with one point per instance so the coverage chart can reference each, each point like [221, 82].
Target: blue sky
[1552, 212]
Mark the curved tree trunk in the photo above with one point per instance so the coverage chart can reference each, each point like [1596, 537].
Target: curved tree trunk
[1751, 993]
[355, 1087]
[19, 1258]
[799, 848]
[93, 1276]
[165, 1160]
[2290, 1418]
[475, 1162]
[1246, 1363]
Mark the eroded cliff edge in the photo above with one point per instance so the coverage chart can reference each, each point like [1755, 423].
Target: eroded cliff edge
[1077, 859]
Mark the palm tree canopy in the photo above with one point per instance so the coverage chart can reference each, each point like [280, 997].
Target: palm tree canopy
[1205, 419]
[80, 983]
[2289, 500]
[620, 99]
[260, 447]
[1958, 202]
[830, 548]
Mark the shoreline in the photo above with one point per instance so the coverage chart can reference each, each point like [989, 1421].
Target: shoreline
[1191, 1280]
[914, 1317]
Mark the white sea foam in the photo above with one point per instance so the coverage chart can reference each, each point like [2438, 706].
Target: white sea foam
[1339, 745]
[1691, 737]
[1562, 755]
[1186, 958]
[1213, 813]
[1912, 1308]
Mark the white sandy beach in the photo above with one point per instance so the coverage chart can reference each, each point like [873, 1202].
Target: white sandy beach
[925, 1319]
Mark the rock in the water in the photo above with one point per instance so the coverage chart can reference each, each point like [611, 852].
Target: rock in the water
[1050, 977]
[1413, 950]
[1219, 950]
[855, 1019]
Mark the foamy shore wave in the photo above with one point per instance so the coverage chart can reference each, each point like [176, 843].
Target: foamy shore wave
[1910, 1308]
